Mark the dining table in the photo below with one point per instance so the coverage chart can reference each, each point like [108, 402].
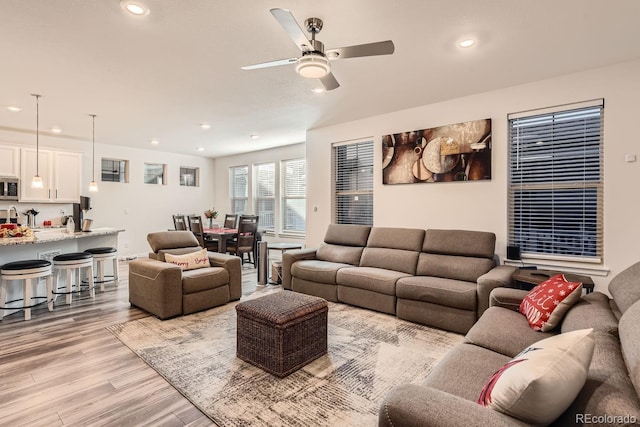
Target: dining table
[222, 235]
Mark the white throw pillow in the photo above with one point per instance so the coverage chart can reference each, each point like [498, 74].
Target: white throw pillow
[190, 261]
[541, 382]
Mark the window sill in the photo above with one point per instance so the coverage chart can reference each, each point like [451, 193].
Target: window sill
[576, 267]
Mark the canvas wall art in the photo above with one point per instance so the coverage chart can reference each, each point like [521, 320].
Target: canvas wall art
[458, 152]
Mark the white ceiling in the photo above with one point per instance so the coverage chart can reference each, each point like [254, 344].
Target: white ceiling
[161, 76]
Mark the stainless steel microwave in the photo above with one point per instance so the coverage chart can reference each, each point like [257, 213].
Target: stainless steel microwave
[9, 189]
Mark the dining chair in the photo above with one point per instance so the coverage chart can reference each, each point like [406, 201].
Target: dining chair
[245, 243]
[195, 223]
[230, 221]
[179, 222]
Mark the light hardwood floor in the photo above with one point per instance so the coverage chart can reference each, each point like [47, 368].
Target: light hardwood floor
[65, 368]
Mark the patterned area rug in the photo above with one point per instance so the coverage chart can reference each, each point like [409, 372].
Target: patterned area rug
[369, 354]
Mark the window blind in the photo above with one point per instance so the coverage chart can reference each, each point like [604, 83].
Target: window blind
[239, 182]
[265, 194]
[353, 183]
[556, 182]
[294, 195]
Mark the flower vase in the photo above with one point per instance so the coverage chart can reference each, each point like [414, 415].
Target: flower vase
[210, 222]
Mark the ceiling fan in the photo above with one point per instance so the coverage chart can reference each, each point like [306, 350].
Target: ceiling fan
[314, 62]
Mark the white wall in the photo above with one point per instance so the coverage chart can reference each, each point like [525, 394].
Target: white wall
[482, 205]
[136, 207]
[222, 165]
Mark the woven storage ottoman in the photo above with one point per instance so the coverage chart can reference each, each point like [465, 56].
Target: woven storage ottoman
[282, 332]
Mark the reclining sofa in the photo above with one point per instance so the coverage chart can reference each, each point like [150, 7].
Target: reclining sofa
[165, 290]
[440, 278]
[609, 397]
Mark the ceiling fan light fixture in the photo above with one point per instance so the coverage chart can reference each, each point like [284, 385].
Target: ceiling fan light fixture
[313, 66]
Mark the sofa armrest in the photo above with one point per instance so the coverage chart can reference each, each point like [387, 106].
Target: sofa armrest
[508, 298]
[156, 287]
[412, 405]
[289, 257]
[499, 276]
[233, 265]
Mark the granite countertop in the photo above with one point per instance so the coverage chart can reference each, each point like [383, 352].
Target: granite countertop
[52, 235]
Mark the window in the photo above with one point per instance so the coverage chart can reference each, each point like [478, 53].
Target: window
[113, 170]
[294, 195]
[555, 182]
[239, 181]
[154, 173]
[265, 194]
[189, 177]
[353, 183]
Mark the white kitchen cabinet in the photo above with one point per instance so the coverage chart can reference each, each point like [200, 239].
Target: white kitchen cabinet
[61, 174]
[9, 161]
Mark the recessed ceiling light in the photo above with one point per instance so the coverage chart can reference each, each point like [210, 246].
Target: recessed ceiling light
[205, 126]
[14, 108]
[254, 136]
[155, 142]
[317, 90]
[467, 43]
[200, 148]
[134, 7]
[56, 129]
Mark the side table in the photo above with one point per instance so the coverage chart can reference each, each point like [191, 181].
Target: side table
[263, 259]
[527, 278]
[282, 247]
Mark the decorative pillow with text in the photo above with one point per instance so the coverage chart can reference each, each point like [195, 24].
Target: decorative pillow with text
[546, 304]
[541, 382]
[189, 261]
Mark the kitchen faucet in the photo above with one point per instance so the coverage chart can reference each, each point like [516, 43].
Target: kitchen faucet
[9, 214]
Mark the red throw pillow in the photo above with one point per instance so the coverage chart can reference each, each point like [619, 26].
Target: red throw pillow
[546, 304]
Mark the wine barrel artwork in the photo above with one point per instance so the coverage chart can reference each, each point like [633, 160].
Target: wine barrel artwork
[458, 152]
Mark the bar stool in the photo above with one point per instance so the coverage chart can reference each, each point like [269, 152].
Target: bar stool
[72, 263]
[102, 255]
[27, 271]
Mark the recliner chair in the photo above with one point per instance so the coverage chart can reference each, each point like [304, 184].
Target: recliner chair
[164, 290]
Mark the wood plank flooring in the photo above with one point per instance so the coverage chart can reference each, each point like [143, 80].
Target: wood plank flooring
[64, 368]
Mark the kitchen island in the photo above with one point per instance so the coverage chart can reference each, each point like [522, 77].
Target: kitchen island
[47, 243]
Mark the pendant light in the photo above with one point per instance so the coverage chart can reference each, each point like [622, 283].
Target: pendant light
[37, 181]
[93, 186]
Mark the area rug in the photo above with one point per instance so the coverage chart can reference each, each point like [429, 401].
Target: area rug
[369, 353]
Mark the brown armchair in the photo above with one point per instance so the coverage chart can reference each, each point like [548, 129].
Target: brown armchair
[164, 290]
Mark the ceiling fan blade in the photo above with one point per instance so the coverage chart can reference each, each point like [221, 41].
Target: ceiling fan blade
[275, 63]
[369, 49]
[329, 82]
[292, 28]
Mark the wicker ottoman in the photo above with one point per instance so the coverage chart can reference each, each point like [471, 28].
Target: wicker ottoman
[282, 332]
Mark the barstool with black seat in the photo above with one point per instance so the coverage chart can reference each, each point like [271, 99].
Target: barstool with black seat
[27, 271]
[100, 256]
[73, 263]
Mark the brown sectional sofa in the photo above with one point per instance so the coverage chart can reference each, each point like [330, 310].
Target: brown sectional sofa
[610, 395]
[440, 278]
[165, 290]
